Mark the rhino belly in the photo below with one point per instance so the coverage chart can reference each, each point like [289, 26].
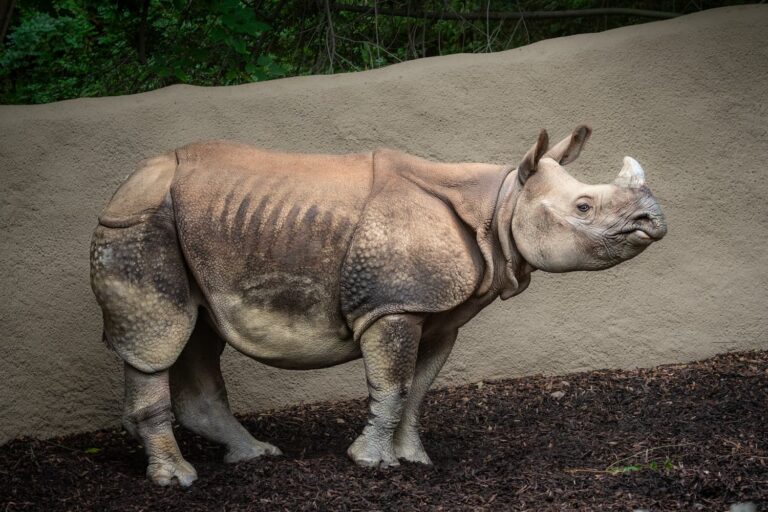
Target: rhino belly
[264, 236]
[291, 327]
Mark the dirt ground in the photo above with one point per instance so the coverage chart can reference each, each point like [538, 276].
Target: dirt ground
[680, 437]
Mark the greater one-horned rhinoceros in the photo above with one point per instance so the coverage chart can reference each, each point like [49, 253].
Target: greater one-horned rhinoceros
[309, 261]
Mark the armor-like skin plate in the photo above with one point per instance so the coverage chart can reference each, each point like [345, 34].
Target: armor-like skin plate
[309, 261]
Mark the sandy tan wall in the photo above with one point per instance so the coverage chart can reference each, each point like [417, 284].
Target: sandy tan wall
[687, 97]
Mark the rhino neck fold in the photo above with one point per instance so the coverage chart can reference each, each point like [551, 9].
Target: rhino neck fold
[515, 273]
[471, 190]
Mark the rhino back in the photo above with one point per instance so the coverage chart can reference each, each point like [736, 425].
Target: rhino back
[264, 235]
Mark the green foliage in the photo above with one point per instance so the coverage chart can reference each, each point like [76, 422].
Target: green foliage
[41, 47]
[78, 49]
[72, 48]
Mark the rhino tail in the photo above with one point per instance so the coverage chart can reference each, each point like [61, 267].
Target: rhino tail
[105, 340]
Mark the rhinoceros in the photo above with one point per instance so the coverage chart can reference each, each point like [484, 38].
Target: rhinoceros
[306, 261]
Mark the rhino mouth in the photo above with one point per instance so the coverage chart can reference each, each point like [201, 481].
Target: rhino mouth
[640, 235]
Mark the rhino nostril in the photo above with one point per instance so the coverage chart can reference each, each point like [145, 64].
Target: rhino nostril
[650, 222]
[641, 216]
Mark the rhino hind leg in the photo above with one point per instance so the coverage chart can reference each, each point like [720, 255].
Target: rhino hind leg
[433, 352]
[140, 280]
[148, 417]
[389, 348]
[200, 397]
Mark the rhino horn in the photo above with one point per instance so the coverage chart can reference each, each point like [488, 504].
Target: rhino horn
[631, 175]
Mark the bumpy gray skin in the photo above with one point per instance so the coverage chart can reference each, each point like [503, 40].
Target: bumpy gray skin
[309, 261]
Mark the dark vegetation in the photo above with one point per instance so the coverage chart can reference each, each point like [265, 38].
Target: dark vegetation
[53, 50]
[680, 437]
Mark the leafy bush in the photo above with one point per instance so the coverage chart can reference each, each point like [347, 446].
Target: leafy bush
[72, 48]
[80, 50]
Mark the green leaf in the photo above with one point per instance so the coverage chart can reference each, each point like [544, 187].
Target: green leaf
[625, 469]
[181, 75]
[258, 75]
[218, 34]
[92, 451]
[237, 44]
[276, 70]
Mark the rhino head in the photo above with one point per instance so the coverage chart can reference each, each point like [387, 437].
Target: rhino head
[559, 224]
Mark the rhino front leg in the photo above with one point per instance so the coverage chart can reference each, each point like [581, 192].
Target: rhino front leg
[389, 350]
[200, 397]
[433, 352]
[148, 417]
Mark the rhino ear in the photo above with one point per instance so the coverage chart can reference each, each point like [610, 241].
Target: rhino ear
[568, 149]
[531, 159]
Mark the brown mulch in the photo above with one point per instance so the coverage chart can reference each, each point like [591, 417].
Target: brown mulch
[679, 437]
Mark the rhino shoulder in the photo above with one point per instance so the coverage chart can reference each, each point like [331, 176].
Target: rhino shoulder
[411, 252]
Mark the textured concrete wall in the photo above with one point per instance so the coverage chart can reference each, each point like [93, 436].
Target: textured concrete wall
[686, 97]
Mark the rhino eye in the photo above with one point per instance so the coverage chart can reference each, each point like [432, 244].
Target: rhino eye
[583, 207]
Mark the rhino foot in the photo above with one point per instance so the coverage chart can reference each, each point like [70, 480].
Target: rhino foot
[253, 450]
[171, 472]
[369, 453]
[408, 447]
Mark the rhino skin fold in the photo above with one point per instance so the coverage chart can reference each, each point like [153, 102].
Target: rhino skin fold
[308, 261]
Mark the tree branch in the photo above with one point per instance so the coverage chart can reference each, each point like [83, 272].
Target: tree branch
[330, 38]
[6, 12]
[142, 37]
[572, 13]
